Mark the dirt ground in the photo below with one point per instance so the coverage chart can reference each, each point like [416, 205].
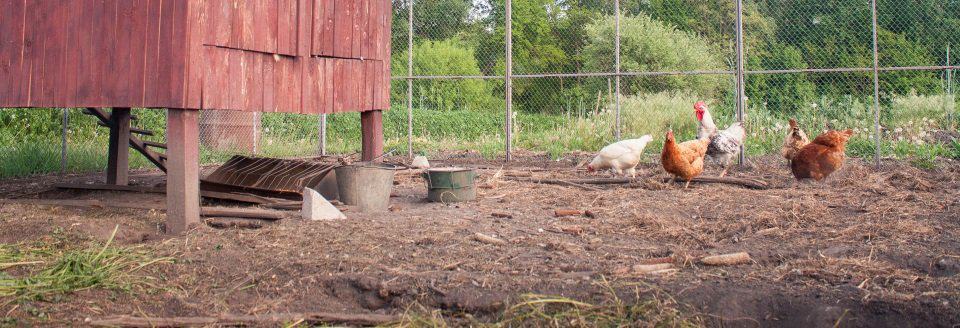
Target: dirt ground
[867, 248]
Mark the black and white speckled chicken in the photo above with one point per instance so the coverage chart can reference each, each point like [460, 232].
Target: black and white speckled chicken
[724, 144]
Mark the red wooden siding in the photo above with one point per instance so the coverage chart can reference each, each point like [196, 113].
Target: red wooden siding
[94, 53]
[298, 56]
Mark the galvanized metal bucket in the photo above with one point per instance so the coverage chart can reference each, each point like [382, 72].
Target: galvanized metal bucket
[450, 184]
[366, 185]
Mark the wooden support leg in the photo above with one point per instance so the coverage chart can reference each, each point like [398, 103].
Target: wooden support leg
[371, 125]
[183, 177]
[118, 157]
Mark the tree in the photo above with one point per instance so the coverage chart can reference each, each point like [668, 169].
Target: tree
[648, 45]
[447, 57]
[781, 92]
[432, 20]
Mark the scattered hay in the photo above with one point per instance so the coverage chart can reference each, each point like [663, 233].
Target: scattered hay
[93, 267]
[651, 309]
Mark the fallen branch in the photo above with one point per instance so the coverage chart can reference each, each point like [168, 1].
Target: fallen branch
[573, 184]
[744, 182]
[501, 215]
[571, 212]
[227, 223]
[650, 268]
[488, 239]
[250, 213]
[749, 183]
[236, 320]
[727, 259]
[642, 269]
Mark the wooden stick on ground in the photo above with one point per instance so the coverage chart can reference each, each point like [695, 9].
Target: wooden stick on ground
[727, 259]
[488, 239]
[227, 223]
[571, 183]
[250, 213]
[236, 320]
[568, 183]
[749, 183]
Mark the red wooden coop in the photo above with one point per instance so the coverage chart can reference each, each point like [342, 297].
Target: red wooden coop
[292, 56]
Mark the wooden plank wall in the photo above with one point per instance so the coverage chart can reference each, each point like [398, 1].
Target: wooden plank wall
[298, 56]
[301, 56]
[92, 53]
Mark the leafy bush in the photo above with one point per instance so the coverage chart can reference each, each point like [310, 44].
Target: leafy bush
[648, 45]
[447, 57]
[781, 92]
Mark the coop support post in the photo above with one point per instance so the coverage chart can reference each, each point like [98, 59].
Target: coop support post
[508, 77]
[118, 155]
[371, 125]
[616, 9]
[741, 94]
[183, 178]
[876, 86]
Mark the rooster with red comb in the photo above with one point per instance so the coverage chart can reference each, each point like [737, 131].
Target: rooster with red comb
[725, 144]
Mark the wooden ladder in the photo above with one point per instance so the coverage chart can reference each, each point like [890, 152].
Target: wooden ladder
[143, 146]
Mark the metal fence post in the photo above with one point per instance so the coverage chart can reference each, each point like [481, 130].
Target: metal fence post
[323, 134]
[876, 85]
[949, 90]
[410, 79]
[65, 120]
[740, 93]
[257, 119]
[616, 10]
[508, 77]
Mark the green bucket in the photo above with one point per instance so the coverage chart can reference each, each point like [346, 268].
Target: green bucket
[450, 184]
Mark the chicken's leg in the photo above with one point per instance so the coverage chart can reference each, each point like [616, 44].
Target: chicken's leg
[686, 185]
[632, 172]
[724, 172]
[616, 172]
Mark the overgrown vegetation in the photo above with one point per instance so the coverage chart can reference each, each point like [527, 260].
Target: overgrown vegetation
[648, 45]
[45, 272]
[445, 57]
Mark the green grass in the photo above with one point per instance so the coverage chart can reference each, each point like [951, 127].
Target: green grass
[30, 139]
[54, 273]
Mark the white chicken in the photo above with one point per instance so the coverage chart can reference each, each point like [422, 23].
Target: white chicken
[725, 144]
[621, 157]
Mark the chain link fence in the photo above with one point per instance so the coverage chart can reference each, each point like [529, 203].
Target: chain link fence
[580, 75]
[560, 76]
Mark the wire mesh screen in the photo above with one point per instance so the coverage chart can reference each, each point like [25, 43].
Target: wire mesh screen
[582, 76]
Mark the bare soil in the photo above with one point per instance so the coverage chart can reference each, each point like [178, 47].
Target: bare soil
[867, 248]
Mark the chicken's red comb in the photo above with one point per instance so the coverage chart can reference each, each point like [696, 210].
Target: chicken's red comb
[700, 105]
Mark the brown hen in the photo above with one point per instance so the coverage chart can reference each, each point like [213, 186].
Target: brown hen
[821, 157]
[684, 160]
[796, 139]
